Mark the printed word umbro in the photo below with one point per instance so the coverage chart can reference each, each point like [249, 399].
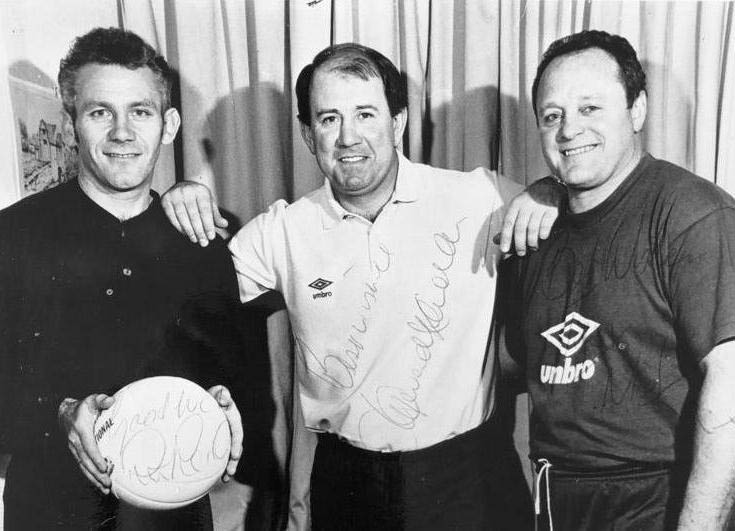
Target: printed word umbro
[321, 284]
[568, 337]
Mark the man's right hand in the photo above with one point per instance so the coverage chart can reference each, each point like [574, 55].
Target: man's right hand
[77, 418]
[191, 209]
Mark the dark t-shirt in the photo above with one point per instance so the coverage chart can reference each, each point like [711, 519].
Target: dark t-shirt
[612, 315]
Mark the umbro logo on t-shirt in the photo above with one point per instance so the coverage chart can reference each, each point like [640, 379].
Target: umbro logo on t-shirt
[568, 337]
[320, 285]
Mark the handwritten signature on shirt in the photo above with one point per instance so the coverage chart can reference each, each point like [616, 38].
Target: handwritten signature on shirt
[399, 405]
[338, 369]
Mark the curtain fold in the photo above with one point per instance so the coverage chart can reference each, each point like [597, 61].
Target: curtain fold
[725, 161]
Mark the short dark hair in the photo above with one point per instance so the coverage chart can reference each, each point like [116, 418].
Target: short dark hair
[356, 60]
[112, 46]
[630, 70]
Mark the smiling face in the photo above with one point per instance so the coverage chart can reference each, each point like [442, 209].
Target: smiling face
[354, 137]
[589, 136]
[119, 128]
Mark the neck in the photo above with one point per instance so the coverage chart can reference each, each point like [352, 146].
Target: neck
[364, 208]
[370, 204]
[582, 200]
[123, 205]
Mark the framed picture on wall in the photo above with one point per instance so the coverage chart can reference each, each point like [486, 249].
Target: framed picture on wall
[44, 156]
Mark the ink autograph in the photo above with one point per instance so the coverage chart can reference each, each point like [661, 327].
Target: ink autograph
[338, 369]
[653, 255]
[177, 459]
[396, 404]
[400, 405]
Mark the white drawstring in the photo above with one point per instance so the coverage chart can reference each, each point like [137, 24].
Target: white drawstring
[543, 472]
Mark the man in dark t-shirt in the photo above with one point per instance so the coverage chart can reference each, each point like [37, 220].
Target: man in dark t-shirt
[624, 319]
[98, 290]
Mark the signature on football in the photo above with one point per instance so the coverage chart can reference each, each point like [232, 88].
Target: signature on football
[178, 455]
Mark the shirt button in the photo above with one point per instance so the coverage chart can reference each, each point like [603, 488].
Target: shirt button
[46, 434]
[127, 272]
[324, 424]
[109, 291]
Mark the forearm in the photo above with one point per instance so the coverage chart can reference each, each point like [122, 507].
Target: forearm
[711, 487]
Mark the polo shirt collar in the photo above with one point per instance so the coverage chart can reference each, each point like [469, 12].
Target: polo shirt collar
[406, 191]
[408, 181]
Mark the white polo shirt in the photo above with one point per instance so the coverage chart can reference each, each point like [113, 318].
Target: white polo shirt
[391, 319]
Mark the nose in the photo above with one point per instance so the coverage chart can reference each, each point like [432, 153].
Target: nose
[121, 130]
[571, 126]
[348, 135]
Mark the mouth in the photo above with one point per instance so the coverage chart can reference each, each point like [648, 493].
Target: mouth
[121, 155]
[578, 150]
[351, 159]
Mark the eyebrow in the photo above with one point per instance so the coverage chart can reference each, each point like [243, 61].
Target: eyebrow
[551, 103]
[326, 111]
[107, 105]
[144, 103]
[335, 111]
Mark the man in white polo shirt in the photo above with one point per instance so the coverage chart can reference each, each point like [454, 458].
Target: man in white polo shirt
[388, 272]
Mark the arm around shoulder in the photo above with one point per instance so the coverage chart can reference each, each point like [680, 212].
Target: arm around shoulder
[191, 209]
[530, 215]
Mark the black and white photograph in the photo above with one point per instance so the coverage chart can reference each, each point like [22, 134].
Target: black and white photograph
[335, 265]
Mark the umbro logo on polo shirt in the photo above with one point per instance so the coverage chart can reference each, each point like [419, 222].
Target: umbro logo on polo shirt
[320, 285]
[568, 337]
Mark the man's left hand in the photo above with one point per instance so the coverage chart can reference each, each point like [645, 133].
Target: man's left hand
[224, 399]
[530, 216]
[191, 209]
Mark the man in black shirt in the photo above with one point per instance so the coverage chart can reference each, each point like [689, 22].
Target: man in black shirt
[98, 290]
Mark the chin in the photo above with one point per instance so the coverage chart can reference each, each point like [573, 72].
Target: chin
[576, 175]
[128, 184]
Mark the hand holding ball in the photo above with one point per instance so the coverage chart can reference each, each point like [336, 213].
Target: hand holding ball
[168, 439]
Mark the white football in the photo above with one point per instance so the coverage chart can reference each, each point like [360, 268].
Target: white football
[168, 439]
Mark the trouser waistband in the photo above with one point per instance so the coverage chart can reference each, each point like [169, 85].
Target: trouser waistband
[474, 440]
[582, 497]
[627, 469]
[545, 469]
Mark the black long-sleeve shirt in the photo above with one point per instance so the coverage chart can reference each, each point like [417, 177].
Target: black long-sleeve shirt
[88, 304]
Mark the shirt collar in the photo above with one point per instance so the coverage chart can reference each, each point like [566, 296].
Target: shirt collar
[406, 191]
[95, 209]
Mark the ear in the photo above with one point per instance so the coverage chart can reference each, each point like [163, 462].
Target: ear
[638, 111]
[308, 137]
[171, 123]
[68, 132]
[399, 125]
